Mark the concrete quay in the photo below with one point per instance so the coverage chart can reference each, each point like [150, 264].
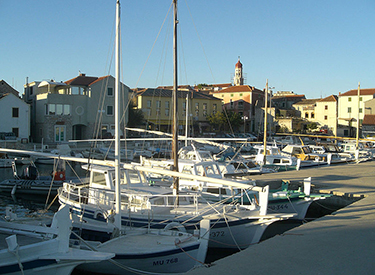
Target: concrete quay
[340, 243]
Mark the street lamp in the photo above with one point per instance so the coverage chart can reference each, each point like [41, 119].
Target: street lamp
[244, 123]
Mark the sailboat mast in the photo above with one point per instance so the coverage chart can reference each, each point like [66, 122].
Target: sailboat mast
[117, 120]
[174, 97]
[357, 132]
[187, 119]
[265, 125]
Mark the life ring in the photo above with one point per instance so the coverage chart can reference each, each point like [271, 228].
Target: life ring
[59, 175]
[175, 225]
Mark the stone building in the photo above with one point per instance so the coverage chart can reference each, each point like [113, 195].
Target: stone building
[80, 108]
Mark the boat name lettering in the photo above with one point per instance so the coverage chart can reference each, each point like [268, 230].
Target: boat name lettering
[278, 206]
[217, 234]
[167, 261]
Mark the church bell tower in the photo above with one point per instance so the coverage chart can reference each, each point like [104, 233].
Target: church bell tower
[238, 76]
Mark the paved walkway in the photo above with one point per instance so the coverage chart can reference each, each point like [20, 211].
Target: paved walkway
[341, 243]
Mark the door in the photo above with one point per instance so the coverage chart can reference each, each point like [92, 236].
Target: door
[60, 132]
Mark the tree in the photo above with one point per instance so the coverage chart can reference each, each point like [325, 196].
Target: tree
[234, 119]
[311, 126]
[135, 115]
[217, 120]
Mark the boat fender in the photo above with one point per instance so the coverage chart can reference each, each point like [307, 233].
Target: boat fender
[175, 225]
[98, 215]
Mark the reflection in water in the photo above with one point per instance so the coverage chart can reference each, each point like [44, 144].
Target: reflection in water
[25, 204]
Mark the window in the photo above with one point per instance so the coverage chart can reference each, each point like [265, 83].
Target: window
[110, 110]
[167, 108]
[326, 107]
[15, 131]
[360, 98]
[184, 108]
[148, 103]
[312, 115]
[74, 90]
[51, 109]
[59, 109]
[240, 104]
[306, 115]
[158, 104]
[66, 109]
[214, 108]
[349, 109]
[109, 91]
[360, 110]
[240, 94]
[325, 117]
[15, 112]
[349, 99]
[231, 104]
[231, 95]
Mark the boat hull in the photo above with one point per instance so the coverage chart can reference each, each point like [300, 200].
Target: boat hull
[231, 230]
[168, 259]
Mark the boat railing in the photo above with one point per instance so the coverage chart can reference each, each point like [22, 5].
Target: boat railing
[131, 200]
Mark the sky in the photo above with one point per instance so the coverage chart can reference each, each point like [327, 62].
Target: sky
[311, 47]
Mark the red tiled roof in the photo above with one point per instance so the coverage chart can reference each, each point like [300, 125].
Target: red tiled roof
[307, 102]
[99, 79]
[81, 80]
[289, 96]
[329, 98]
[368, 120]
[362, 92]
[240, 88]
[222, 85]
[168, 93]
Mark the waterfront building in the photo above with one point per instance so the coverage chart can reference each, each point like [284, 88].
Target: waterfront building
[156, 105]
[14, 113]
[80, 108]
[368, 126]
[350, 108]
[326, 114]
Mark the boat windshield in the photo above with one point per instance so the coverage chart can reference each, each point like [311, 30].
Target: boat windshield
[306, 150]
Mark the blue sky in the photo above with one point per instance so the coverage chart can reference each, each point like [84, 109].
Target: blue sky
[316, 48]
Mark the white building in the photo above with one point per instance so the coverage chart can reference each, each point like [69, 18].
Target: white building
[350, 108]
[14, 116]
[326, 114]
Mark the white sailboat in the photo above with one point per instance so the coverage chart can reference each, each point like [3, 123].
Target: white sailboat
[136, 250]
[30, 249]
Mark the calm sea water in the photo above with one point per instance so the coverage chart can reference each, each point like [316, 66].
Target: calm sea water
[24, 203]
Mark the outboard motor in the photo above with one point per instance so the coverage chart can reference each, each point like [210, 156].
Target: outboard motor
[30, 173]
